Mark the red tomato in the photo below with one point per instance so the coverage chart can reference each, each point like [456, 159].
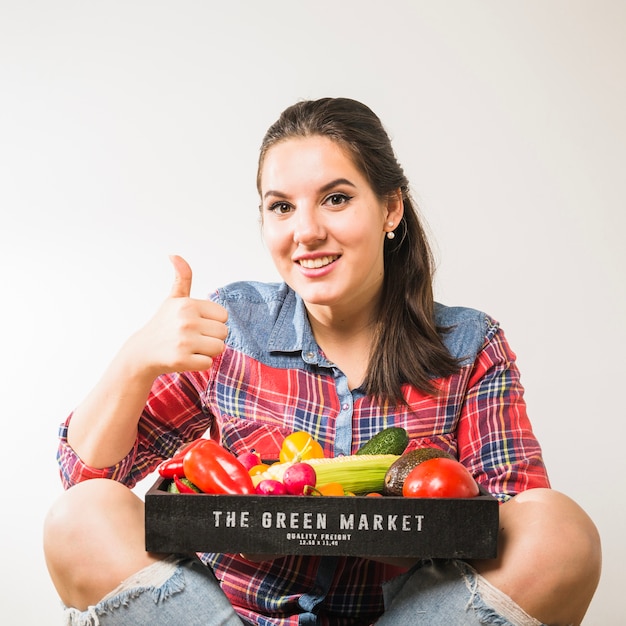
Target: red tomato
[440, 478]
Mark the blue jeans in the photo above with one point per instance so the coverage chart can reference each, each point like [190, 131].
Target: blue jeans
[441, 593]
[174, 592]
[434, 593]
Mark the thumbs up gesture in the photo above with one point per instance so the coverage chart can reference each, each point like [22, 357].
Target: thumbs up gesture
[185, 334]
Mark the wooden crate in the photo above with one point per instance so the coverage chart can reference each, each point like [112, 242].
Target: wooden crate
[329, 525]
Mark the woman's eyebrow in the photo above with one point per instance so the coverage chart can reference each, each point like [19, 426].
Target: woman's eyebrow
[323, 189]
[271, 192]
[336, 183]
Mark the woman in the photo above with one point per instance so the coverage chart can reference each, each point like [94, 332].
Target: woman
[351, 342]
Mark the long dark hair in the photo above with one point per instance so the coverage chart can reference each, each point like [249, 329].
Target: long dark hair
[407, 343]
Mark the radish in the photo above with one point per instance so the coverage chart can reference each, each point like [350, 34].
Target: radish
[270, 487]
[299, 479]
[249, 459]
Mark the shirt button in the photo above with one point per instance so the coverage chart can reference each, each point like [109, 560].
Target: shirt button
[345, 406]
[309, 355]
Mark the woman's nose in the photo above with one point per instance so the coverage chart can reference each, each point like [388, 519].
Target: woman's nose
[308, 227]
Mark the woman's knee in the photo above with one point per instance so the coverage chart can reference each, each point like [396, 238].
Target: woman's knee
[93, 539]
[92, 503]
[549, 556]
[560, 528]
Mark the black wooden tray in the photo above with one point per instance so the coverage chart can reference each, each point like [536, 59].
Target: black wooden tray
[328, 525]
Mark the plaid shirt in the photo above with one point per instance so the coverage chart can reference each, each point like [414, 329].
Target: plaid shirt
[271, 380]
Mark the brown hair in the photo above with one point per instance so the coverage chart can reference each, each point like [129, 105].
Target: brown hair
[407, 345]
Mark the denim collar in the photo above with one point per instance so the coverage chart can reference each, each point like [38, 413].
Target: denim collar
[292, 332]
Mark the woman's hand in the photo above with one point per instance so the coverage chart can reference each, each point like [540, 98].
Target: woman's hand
[184, 335]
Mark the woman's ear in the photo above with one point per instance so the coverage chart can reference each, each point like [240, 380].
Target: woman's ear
[395, 206]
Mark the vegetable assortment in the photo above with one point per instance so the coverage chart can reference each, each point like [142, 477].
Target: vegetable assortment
[206, 466]
[357, 474]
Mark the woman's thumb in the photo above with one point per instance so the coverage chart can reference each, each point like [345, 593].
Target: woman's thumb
[182, 282]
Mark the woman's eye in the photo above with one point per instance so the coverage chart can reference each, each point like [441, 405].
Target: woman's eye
[280, 208]
[337, 199]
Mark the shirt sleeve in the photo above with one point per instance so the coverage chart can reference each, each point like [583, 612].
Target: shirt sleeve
[495, 436]
[174, 414]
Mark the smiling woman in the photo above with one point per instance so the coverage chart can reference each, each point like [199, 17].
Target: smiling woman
[325, 231]
[344, 193]
[349, 343]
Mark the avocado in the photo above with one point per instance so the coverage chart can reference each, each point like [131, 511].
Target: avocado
[399, 470]
[391, 440]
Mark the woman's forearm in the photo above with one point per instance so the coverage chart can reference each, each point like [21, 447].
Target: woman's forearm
[103, 428]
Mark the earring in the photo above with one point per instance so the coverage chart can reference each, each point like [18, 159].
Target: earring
[390, 234]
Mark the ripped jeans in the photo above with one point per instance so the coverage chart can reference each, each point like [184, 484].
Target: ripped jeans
[433, 593]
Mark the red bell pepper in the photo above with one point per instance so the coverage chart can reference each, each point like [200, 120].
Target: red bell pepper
[171, 467]
[174, 466]
[213, 469]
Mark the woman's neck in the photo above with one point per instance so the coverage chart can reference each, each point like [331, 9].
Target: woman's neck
[345, 340]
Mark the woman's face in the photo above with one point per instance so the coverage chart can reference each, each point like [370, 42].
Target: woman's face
[323, 224]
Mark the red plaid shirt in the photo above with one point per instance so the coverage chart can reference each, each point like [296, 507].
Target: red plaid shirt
[271, 380]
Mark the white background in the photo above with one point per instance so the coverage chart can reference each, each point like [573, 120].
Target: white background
[129, 131]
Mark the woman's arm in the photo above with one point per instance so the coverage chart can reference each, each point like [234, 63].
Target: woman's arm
[495, 436]
[184, 335]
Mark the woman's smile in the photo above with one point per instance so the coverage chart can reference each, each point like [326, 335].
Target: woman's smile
[317, 262]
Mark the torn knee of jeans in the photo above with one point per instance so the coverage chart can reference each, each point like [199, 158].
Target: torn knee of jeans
[161, 580]
[470, 578]
[493, 606]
